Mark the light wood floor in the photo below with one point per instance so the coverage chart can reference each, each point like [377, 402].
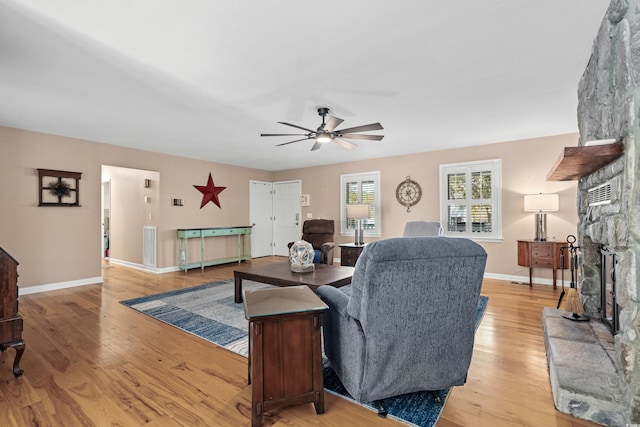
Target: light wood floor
[91, 361]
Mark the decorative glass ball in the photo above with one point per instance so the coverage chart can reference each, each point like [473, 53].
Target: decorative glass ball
[301, 256]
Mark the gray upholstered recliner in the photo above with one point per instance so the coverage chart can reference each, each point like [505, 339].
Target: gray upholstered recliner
[422, 229]
[409, 322]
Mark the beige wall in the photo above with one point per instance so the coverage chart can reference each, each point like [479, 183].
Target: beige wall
[63, 245]
[59, 245]
[525, 165]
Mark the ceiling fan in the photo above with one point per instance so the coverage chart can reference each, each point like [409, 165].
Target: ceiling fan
[327, 132]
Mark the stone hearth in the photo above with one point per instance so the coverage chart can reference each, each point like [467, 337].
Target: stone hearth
[584, 379]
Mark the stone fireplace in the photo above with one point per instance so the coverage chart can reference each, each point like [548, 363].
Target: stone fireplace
[609, 108]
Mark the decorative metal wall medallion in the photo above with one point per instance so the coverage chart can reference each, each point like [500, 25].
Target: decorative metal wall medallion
[408, 193]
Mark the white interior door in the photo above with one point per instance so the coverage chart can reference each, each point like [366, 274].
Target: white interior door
[286, 210]
[261, 217]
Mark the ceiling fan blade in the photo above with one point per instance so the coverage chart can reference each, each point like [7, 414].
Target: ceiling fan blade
[332, 123]
[359, 136]
[364, 128]
[345, 144]
[316, 146]
[296, 126]
[282, 134]
[291, 142]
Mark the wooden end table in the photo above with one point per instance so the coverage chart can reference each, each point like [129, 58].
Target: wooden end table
[280, 274]
[285, 350]
[349, 254]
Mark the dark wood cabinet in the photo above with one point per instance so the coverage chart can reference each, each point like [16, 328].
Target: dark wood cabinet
[10, 318]
[285, 349]
[349, 254]
[541, 254]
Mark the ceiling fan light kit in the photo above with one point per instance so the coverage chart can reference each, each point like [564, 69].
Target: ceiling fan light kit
[327, 132]
[323, 136]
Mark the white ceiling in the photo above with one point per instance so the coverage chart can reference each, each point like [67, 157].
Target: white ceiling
[203, 78]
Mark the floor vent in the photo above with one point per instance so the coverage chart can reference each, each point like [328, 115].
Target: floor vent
[600, 195]
[149, 244]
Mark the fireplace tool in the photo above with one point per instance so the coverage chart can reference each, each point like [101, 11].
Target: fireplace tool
[562, 248]
[573, 308]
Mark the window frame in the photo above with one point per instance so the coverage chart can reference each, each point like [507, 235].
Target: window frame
[494, 166]
[345, 229]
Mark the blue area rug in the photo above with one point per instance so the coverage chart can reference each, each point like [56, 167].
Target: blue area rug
[208, 311]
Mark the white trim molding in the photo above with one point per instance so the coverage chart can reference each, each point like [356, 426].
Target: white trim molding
[60, 285]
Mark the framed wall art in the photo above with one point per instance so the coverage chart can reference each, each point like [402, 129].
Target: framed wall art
[58, 188]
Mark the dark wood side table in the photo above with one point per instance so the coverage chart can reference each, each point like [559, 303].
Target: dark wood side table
[285, 353]
[541, 254]
[349, 254]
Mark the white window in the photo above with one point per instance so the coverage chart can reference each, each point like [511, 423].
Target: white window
[470, 204]
[361, 188]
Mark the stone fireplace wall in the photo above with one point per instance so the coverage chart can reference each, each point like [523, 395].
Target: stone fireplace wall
[609, 107]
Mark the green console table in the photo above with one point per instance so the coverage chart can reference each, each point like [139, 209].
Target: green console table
[184, 234]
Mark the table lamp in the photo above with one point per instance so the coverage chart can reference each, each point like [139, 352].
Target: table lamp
[540, 204]
[358, 212]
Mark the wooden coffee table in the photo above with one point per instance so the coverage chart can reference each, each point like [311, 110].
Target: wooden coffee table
[280, 274]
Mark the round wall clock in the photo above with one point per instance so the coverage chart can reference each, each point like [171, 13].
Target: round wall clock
[408, 193]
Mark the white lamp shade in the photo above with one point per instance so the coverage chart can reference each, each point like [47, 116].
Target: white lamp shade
[541, 202]
[358, 211]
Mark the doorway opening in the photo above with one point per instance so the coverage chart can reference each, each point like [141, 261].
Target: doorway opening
[130, 204]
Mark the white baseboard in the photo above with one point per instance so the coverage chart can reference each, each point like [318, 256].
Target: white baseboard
[524, 280]
[143, 267]
[60, 285]
[95, 280]
[90, 281]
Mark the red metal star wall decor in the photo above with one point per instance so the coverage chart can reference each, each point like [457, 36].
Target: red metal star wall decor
[210, 192]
